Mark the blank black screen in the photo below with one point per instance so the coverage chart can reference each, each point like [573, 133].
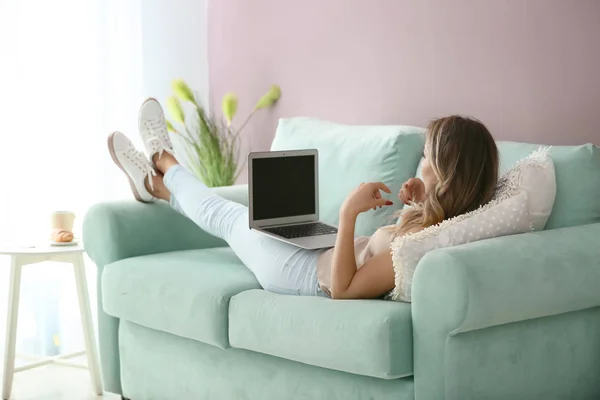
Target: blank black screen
[283, 186]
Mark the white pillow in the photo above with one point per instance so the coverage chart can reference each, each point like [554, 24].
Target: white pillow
[534, 174]
[523, 202]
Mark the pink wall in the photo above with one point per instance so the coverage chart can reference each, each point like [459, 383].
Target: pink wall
[529, 69]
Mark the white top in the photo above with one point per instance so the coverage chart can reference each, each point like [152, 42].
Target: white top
[43, 249]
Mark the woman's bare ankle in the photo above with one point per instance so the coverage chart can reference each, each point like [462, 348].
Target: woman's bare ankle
[164, 161]
[159, 189]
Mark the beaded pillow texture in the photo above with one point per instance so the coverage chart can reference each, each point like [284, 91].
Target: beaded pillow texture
[522, 203]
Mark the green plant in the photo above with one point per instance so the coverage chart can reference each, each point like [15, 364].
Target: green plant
[211, 143]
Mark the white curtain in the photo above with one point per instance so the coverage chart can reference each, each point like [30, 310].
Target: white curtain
[70, 72]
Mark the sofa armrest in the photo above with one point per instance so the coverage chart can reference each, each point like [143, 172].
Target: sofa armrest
[494, 282]
[118, 230]
[510, 279]
[114, 231]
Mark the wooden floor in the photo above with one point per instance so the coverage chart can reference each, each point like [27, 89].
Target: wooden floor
[55, 382]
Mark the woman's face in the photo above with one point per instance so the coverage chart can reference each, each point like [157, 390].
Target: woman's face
[429, 177]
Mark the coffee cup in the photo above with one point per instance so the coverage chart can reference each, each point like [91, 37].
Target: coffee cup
[62, 220]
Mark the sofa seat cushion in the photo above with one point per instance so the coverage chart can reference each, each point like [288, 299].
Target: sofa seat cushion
[185, 293]
[365, 337]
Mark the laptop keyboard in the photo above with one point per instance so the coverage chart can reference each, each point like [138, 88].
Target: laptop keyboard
[303, 230]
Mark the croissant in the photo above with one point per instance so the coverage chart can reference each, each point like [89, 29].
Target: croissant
[61, 235]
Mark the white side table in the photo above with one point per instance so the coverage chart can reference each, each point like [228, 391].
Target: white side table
[24, 256]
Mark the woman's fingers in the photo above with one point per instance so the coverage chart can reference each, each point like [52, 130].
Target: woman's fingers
[405, 196]
[381, 186]
[375, 188]
[383, 202]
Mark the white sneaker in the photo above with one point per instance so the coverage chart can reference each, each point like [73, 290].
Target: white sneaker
[133, 163]
[153, 128]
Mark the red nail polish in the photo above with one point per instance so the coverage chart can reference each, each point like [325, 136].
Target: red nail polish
[388, 203]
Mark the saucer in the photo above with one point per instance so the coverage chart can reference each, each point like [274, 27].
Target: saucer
[73, 242]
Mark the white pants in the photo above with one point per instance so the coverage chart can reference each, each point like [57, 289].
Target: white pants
[279, 267]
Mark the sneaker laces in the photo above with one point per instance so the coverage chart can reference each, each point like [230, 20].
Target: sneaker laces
[139, 160]
[158, 136]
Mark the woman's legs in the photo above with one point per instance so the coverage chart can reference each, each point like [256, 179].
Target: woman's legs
[191, 197]
[278, 266]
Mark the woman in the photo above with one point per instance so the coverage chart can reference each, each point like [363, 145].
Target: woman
[460, 171]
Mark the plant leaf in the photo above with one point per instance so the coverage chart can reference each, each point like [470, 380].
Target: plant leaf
[175, 110]
[182, 90]
[269, 98]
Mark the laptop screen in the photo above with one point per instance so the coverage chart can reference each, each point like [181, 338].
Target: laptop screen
[283, 186]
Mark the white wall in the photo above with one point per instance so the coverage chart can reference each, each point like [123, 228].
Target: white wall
[175, 45]
[126, 51]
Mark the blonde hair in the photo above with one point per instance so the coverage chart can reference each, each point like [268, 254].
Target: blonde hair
[464, 158]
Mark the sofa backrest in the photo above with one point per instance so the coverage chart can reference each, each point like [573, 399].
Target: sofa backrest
[352, 154]
[577, 171]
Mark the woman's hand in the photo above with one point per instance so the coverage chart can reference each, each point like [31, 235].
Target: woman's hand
[413, 191]
[343, 263]
[365, 197]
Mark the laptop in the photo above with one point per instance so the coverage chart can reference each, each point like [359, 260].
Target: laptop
[284, 198]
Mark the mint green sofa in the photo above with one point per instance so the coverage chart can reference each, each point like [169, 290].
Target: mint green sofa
[516, 317]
